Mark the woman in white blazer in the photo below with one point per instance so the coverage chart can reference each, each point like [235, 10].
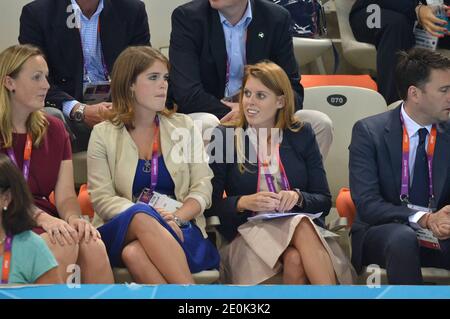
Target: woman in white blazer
[145, 148]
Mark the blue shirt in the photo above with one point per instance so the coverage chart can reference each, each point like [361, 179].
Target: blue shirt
[93, 63]
[235, 41]
[30, 258]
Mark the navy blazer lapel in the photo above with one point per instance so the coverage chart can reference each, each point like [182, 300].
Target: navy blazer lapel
[393, 139]
[257, 35]
[441, 161]
[111, 31]
[67, 36]
[217, 47]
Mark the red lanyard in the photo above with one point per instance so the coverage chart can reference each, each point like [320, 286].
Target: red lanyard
[404, 195]
[155, 148]
[26, 156]
[269, 178]
[6, 260]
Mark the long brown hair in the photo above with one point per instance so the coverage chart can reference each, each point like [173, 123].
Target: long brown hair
[130, 63]
[17, 217]
[275, 79]
[11, 61]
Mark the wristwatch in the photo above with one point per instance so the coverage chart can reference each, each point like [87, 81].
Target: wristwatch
[180, 222]
[299, 203]
[78, 114]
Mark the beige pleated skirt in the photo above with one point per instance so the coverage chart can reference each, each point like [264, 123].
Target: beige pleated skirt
[253, 257]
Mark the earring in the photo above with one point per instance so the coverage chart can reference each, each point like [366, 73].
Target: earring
[5, 208]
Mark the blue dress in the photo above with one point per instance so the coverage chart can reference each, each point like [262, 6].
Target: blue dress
[200, 252]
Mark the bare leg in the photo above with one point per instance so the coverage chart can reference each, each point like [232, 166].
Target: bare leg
[140, 266]
[316, 261]
[161, 248]
[65, 255]
[94, 263]
[293, 272]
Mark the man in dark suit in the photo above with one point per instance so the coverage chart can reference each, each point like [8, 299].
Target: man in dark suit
[81, 39]
[389, 174]
[394, 33]
[212, 41]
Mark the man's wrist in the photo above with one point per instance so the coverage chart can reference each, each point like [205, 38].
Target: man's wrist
[299, 203]
[424, 221]
[239, 205]
[418, 7]
[77, 113]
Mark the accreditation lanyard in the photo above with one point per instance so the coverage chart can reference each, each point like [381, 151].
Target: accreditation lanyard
[269, 178]
[105, 70]
[155, 148]
[26, 156]
[6, 259]
[404, 196]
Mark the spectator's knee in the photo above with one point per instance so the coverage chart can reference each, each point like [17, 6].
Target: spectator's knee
[403, 241]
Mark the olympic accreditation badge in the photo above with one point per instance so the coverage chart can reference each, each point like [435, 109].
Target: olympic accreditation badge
[145, 196]
[425, 237]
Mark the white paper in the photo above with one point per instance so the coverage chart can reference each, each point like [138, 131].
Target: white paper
[326, 233]
[435, 2]
[424, 39]
[164, 202]
[275, 215]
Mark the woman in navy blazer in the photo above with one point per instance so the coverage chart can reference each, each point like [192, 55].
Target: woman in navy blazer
[294, 245]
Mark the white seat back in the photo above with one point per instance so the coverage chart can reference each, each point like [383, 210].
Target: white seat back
[359, 54]
[359, 103]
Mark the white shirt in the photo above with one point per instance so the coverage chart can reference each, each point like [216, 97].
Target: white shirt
[413, 128]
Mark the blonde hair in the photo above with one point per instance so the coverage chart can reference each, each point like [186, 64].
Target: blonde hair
[11, 61]
[130, 63]
[275, 79]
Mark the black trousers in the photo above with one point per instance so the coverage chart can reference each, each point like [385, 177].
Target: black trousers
[395, 248]
[395, 34]
[79, 132]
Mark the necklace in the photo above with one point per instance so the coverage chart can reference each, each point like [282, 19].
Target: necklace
[147, 166]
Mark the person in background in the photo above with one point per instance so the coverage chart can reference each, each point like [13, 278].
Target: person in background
[39, 146]
[394, 34]
[211, 42]
[135, 154]
[274, 165]
[400, 174]
[81, 39]
[24, 256]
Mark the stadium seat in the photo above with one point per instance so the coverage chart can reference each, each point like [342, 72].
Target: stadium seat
[121, 275]
[359, 54]
[344, 105]
[394, 105]
[309, 50]
[364, 81]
